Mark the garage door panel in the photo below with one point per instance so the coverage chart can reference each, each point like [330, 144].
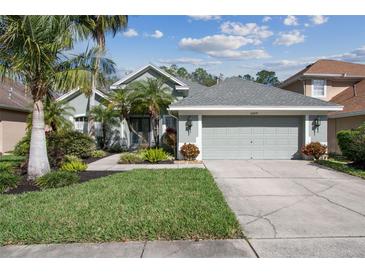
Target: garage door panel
[245, 137]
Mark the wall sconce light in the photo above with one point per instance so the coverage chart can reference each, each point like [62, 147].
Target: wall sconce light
[317, 123]
[188, 124]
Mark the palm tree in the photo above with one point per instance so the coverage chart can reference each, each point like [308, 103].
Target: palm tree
[122, 101]
[54, 115]
[107, 118]
[152, 96]
[32, 51]
[97, 27]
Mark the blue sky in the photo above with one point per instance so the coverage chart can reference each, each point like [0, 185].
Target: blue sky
[235, 45]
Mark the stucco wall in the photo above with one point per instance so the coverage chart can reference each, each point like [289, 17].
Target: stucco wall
[184, 135]
[296, 86]
[318, 134]
[12, 129]
[335, 125]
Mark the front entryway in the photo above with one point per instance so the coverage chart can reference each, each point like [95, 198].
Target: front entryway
[142, 126]
[251, 137]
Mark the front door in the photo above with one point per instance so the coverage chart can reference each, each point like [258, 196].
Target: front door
[142, 126]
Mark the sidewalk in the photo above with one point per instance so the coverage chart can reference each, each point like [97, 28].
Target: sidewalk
[111, 163]
[237, 248]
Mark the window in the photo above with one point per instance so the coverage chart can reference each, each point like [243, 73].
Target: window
[170, 122]
[318, 88]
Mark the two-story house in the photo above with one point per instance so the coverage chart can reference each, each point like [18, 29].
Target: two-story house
[338, 82]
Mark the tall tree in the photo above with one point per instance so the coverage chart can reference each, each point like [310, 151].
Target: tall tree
[203, 77]
[267, 77]
[247, 77]
[182, 72]
[97, 27]
[32, 51]
[152, 96]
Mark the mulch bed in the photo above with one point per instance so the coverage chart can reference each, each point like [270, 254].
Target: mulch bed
[26, 186]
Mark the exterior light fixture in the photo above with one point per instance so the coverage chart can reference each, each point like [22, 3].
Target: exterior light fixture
[317, 123]
[188, 124]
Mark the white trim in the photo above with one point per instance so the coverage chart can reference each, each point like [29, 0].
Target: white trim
[307, 138]
[324, 89]
[138, 71]
[181, 88]
[79, 115]
[199, 138]
[286, 108]
[68, 94]
[341, 75]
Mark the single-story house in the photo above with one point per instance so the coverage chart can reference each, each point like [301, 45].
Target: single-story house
[338, 82]
[15, 106]
[234, 119]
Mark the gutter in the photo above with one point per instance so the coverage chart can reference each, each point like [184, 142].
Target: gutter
[285, 108]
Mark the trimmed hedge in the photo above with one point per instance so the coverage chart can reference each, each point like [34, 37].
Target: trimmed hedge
[352, 144]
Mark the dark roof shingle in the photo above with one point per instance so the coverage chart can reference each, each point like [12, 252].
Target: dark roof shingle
[12, 96]
[238, 92]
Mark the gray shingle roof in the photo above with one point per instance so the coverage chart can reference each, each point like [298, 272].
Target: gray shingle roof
[194, 87]
[238, 92]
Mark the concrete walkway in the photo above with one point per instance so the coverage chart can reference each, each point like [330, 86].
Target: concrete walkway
[156, 249]
[111, 163]
[295, 208]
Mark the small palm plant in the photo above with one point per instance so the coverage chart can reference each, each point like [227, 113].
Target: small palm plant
[152, 96]
[108, 118]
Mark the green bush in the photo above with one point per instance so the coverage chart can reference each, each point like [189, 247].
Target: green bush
[57, 179]
[12, 158]
[60, 144]
[8, 180]
[189, 151]
[131, 158]
[71, 158]
[352, 144]
[315, 150]
[154, 155]
[7, 167]
[98, 154]
[22, 147]
[74, 166]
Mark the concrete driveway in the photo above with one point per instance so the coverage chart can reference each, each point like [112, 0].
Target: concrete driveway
[294, 208]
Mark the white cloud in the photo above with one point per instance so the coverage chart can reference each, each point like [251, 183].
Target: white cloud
[130, 33]
[240, 54]
[291, 20]
[205, 17]
[189, 61]
[266, 19]
[284, 65]
[356, 55]
[289, 38]
[249, 30]
[318, 19]
[214, 43]
[157, 34]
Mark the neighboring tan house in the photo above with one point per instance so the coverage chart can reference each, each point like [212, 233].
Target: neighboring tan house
[15, 106]
[234, 119]
[338, 82]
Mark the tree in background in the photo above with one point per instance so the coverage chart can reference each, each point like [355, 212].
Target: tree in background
[247, 77]
[55, 113]
[267, 77]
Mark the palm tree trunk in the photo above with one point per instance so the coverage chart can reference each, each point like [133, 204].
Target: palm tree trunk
[38, 159]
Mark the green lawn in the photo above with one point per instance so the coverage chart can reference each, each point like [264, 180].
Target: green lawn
[136, 205]
[342, 166]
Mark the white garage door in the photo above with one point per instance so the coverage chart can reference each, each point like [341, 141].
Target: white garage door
[250, 137]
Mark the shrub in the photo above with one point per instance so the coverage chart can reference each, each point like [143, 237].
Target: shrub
[6, 167]
[189, 151]
[71, 158]
[154, 155]
[314, 149]
[74, 166]
[131, 158]
[117, 148]
[98, 154]
[60, 144]
[57, 179]
[22, 147]
[169, 140]
[8, 180]
[352, 144]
